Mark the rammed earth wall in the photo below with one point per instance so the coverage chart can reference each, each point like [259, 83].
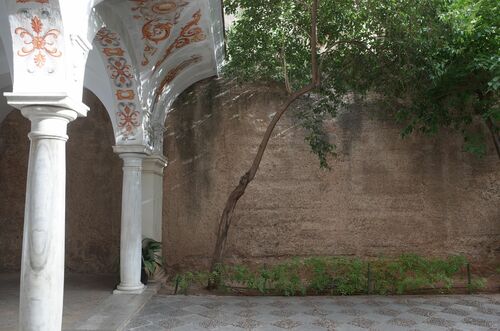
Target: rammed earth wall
[383, 196]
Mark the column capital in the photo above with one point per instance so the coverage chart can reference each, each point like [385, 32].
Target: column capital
[141, 150]
[48, 122]
[51, 102]
[154, 164]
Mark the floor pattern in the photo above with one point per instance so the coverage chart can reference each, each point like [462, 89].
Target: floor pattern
[358, 313]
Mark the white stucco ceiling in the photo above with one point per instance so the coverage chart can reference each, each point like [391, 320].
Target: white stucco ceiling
[144, 53]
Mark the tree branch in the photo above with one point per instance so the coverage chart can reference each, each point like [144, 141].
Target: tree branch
[285, 70]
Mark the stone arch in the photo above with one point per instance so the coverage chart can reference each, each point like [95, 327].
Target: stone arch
[182, 61]
[93, 205]
[177, 79]
[96, 80]
[186, 47]
[124, 85]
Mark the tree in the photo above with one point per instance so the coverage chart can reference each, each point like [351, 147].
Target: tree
[432, 63]
[237, 193]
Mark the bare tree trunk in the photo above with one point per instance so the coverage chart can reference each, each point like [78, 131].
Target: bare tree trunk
[239, 190]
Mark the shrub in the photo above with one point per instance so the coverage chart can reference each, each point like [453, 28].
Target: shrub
[338, 275]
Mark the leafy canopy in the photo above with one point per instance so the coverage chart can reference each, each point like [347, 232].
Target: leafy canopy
[433, 63]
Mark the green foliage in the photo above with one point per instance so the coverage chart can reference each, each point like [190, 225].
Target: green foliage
[350, 276]
[321, 278]
[151, 257]
[184, 281]
[337, 276]
[411, 272]
[285, 278]
[476, 284]
[434, 63]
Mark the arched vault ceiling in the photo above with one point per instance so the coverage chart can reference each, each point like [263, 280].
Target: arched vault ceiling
[164, 40]
[145, 53]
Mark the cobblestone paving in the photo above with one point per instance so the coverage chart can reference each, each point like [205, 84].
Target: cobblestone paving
[424, 313]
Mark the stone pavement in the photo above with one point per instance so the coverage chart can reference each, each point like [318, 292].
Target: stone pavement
[384, 313]
[82, 294]
[89, 303]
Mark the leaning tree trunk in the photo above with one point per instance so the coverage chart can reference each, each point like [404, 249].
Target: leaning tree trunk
[494, 135]
[239, 190]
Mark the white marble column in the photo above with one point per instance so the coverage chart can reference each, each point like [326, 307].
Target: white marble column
[42, 266]
[152, 203]
[152, 196]
[131, 223]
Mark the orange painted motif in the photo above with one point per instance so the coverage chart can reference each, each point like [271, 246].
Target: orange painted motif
[125, 94]
[173, 73]
[156, 31]
[113, 51]
[37, 42]
[120, 71]
[158, 18]
[39, 1]
[163, 8]
[190, 33]
[121, 74]
[108, 38]
[128, 117]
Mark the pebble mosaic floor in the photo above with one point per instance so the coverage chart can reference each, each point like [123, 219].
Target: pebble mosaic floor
[357, 313]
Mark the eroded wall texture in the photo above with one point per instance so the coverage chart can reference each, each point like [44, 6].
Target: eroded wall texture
[383, 195]
[93, 195]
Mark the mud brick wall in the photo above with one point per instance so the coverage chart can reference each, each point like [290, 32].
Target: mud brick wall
[383, 196]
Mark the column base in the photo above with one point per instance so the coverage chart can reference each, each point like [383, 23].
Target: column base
[129, 289]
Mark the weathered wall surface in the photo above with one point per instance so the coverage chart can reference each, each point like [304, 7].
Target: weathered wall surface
[383, 196]
[14, 150]
[93, 192]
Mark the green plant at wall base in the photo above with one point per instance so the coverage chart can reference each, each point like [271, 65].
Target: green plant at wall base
[321, 280]
[411, 272]
[351, 276]
[476, 284]
[184, 282]
[338, 276]
[151, 257]
[286, 279]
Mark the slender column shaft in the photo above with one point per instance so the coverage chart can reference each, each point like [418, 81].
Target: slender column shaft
[131, 232]
[152, 196]
[152, 203]
[42, 265]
